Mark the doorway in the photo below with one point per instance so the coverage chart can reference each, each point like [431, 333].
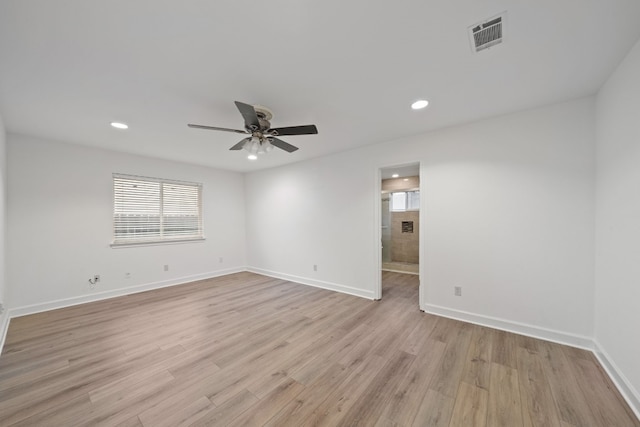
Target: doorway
[399, 221]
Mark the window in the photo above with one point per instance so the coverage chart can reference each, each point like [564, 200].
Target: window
[405, 201]
[413, 200]
[148, 210]
[399, 201]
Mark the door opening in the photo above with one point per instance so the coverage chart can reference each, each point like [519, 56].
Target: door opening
[398, 207]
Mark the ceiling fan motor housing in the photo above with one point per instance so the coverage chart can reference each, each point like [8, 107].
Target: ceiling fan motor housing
[264, 115]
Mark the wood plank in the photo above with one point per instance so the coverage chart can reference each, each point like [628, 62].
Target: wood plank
[55, 389]
[317, 364]
[470, 408]
[331, 410]
[570, 400]
[370, 404]
[605, 401]
[178, 412]
[434, 411]
[503, 350]
[270, 405]
[310, 398]
[477, 368]
[420, 334]
[222, 415]
[403, 406]
[447, 379]
[66, 413]
[504, 406]
[535, 391]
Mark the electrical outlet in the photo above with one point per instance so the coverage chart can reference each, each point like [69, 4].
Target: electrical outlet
[93, 281]
[457, 290]
[166, 267]
[315, 267]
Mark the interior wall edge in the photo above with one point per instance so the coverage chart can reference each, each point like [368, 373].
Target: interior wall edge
[624, 386]
[559, 337]
[315, 283]
[4, 328]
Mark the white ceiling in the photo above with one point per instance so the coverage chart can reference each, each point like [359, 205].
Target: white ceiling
[69, 67]
[401, 170]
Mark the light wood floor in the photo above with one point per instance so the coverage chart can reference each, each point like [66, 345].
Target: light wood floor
[248, 350]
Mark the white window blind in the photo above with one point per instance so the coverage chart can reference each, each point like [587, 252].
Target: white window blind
[147, 210]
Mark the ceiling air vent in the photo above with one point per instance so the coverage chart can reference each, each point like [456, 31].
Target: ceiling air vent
[487, 33]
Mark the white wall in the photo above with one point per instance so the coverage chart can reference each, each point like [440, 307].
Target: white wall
[618, 223]
[509, 209]
[60, 205]
[3, 224]
[318, 212]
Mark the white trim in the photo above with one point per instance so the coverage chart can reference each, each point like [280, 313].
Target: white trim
[68, 302]
[315, 283]
[624, 386]
[4, 327]
[377, 236]
[552, 335]
[156, 243]
[422, 248]
[400, 271]
[155, 179]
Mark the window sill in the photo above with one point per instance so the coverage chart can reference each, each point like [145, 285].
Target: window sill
[156, 243]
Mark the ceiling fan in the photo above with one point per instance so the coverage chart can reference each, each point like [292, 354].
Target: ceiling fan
[262, 137]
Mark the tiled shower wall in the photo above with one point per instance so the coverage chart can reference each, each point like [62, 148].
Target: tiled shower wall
[404, 246]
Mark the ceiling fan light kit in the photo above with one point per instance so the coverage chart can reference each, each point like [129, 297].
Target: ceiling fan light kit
[262, 137]
[258, 146]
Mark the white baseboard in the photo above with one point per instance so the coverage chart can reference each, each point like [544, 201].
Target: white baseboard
[315, 283]
[67, 302]
[559, 337]
[630, 394]
[400, 271]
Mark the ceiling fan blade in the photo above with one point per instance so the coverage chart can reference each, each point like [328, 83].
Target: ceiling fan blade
[240, 145]
[295, 130]
[216, 128]
[282, 145]
[250, 116]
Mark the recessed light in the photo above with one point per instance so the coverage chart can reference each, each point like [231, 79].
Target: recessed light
[420, 104]
[119, 125]
[252, 157]
[395, 175]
